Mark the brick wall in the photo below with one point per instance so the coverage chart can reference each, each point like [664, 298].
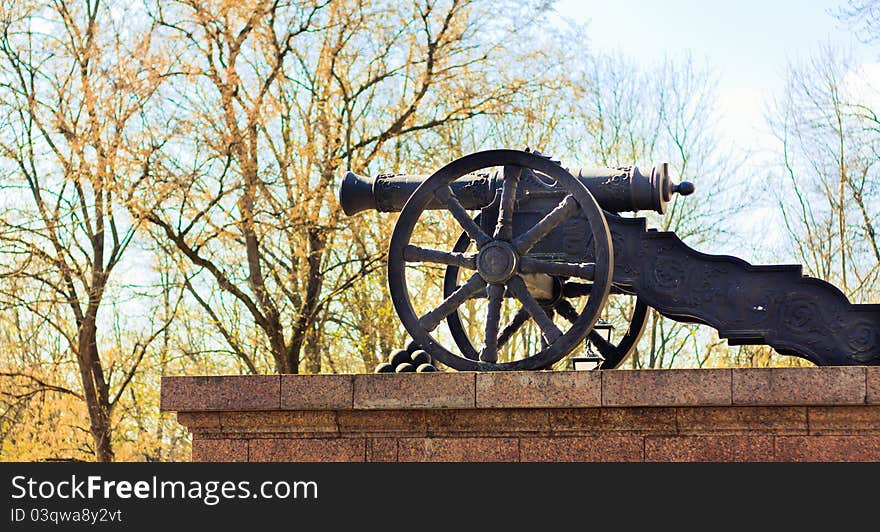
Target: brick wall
[786, 414]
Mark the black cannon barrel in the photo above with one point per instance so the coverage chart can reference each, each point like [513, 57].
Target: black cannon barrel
[622, 189]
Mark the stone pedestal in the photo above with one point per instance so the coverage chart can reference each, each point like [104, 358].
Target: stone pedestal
[778, 414]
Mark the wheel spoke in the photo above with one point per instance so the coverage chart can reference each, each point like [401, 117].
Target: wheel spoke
[504, 229]
[574, 289]
[605, 348]
[479, 294]
[567, 311]
[464, 220]
[493, 317]
[432, 319]
[510, 329]
[548, 328]
[582, 270]
[548, 223]
[544, 343]
[418, 254]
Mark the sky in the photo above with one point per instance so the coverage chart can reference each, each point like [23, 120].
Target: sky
[747, 44]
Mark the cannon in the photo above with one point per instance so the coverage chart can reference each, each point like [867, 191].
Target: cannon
[551, 239]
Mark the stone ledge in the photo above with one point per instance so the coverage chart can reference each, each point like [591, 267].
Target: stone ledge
[557, 389]
[545, 389]
[235, 392]
[410, 391]
[546, 448]
[689, 420]
[803, 386]
[756, 415]
[684, 387]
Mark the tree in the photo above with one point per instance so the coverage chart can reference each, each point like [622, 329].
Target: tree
[279, 100]
[75, 79]
[863, 16]
[830, 199]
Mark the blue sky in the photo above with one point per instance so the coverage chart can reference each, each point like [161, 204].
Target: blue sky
[749, 39]
[748, 45]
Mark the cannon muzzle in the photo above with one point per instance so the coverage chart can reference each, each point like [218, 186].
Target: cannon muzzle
[623, 189]
[356, 194]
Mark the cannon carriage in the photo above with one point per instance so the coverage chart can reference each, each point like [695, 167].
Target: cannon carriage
[547, 237]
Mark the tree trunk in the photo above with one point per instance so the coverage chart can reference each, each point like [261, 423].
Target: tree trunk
[312, 348]
[308, 310]
[95, 390]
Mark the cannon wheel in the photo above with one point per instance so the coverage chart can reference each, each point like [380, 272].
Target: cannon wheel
[499, 261]
[613, 354]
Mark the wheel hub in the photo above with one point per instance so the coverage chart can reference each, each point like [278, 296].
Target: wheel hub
[497, 262]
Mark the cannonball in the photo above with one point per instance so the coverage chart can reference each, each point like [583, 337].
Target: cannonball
[426, 368]
[406, 367]
[398, 357]
[384, 367]
[412, 346]
[420, 357]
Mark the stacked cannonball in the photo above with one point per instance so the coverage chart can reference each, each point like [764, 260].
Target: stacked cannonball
[411, 359]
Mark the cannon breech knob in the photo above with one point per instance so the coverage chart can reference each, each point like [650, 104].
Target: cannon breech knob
[685, 188]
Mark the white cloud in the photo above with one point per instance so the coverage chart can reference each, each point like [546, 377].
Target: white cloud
[862, 85]
[741, 123]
